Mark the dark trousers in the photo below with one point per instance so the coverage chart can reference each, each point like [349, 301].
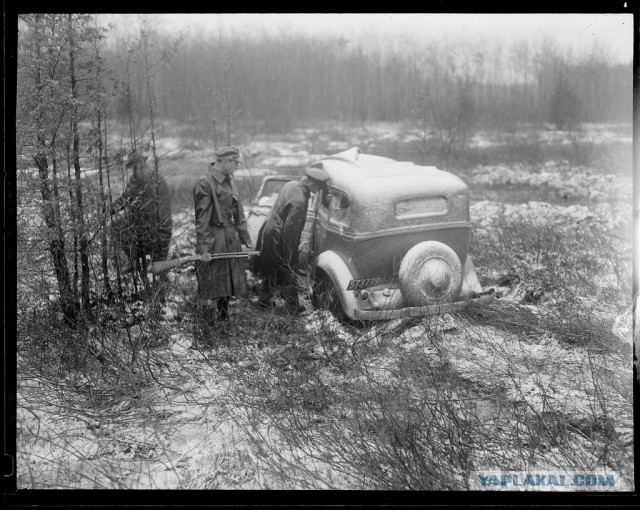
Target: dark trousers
[205, 326]
[223, 308]
[208, 313]
[284, 281]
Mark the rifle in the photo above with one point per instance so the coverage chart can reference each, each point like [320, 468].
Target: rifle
[166, 265]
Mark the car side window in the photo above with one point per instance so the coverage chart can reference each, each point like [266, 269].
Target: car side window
[339, 208]
[269, 191]
[326, 198]
[268, 200]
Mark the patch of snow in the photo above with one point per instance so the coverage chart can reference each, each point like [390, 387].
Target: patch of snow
[167, 146]
[337, 146]
[623, 326]
[569, 182]
[322, 321]
[483, 140]
[181, 345]
[543, 375]
[413, 137]
[253, 172]
[485, 212]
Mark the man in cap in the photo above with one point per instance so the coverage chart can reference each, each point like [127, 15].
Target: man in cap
[146, 228]
[279, 239]
[220, 227]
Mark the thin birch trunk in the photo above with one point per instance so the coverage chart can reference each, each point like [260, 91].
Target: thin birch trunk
[56, 243]
[84, 257]
[104, 247]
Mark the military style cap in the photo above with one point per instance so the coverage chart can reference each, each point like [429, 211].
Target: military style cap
[228, 152]
[316, 173]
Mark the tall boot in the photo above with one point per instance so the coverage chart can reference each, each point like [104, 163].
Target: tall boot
[291, 300]
[223, 308]
[205, 326]
[264, 296]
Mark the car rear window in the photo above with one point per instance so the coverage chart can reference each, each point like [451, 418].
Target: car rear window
[421, 207]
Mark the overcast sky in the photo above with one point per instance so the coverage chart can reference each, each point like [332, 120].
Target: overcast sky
[579, 32]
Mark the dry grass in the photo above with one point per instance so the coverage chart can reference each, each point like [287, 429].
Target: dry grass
[541, 379]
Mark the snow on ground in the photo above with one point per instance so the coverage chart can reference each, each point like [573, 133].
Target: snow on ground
[485, 212]
[253, 172]
[587, 133]
[548, 134]
[187, 435]
[167, 146]
[280, 154]
[194, 442]
[570, 182]
[302, 144]
[539, 372]
[594, 133]
[538, 375]
[305, 146]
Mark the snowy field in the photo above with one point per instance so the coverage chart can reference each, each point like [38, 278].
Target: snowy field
[245, 415]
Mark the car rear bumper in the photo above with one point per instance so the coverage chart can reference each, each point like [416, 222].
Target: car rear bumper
[420, 311]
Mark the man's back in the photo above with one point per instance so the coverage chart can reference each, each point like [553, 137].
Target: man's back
[142, 189]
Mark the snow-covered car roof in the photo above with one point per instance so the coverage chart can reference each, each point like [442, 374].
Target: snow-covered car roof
[376, 184]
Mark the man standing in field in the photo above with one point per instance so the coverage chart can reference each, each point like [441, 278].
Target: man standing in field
[279, 239]
[146, 228]
[220, 228]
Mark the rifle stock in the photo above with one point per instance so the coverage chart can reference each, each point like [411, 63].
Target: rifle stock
[166, 265]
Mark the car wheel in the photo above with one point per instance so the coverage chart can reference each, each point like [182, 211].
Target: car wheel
[430, 273]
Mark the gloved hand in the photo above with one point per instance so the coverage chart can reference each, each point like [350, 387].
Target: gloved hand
[206, 257]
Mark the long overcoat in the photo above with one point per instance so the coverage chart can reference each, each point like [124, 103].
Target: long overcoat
[279, 235]
[146, 228]
[219, 233]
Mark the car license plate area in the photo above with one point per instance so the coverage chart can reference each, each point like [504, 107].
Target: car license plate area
[362, 283]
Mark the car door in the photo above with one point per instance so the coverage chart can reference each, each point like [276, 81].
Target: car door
[264, 200]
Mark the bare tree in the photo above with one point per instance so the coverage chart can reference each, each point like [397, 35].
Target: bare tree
[225, 84]
[41, 118]
[104, 245]
[84, 257]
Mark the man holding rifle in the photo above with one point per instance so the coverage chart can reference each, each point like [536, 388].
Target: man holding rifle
[220, 228]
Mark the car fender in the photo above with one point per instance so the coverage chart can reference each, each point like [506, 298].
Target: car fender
[335, 268]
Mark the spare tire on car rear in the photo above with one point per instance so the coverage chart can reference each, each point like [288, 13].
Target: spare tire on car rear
[430, 273]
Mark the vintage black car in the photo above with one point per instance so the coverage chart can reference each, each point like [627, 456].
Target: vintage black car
[389, 239]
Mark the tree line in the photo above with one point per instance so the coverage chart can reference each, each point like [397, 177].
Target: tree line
[277, 80]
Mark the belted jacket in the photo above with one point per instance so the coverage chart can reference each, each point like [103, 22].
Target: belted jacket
[220, 227]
